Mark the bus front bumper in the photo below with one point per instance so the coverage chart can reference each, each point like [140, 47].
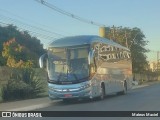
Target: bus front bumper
[86, 93]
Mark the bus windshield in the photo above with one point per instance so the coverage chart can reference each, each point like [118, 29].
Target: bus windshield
[68, 64]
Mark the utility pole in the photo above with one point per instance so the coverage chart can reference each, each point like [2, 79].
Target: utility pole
[158, 63]
[126, 39]
[113, 33]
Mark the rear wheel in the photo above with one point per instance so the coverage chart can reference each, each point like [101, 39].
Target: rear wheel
[102, 92]
[124, 89]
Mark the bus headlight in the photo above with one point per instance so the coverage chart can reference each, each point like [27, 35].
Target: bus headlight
[85, 86]
[51, 88]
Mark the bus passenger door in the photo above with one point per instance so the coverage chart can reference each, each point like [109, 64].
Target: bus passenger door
[95, 86]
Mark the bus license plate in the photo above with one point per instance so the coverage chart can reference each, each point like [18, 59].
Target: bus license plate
[68, 95]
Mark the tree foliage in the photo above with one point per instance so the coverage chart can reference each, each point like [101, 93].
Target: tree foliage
[134, 39]
[25, 47]
[16, 55]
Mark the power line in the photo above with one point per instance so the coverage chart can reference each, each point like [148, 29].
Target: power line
[32, 32]
[53, 7]
[22, 18]
[35, 31]
[30, 26]
[37, 34]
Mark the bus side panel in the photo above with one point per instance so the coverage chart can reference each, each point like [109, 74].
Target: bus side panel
[114, 64]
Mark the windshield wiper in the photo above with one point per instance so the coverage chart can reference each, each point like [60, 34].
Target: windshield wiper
[72, 72]
[59, 77]
[75, 76]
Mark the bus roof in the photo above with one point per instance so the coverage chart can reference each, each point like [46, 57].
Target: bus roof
[83, 40]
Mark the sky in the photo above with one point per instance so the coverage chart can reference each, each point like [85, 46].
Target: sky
[49, 25]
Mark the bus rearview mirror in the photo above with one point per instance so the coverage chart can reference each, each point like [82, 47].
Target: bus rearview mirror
[90, 56]
[42, 60]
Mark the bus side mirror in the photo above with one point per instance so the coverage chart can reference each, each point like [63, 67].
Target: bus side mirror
[90, 56]
[42, 60]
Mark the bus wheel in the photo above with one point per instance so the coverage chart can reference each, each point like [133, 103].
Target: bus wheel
[102, 92]
[124, 89]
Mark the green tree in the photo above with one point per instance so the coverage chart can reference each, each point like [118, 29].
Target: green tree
[134, 39]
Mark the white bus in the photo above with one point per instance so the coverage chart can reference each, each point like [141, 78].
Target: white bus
[86, 67]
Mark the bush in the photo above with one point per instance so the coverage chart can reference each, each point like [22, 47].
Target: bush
[23, 83]
[30, 77]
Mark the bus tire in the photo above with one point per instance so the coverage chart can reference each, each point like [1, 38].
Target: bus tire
[124, 89]
[102, 92]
